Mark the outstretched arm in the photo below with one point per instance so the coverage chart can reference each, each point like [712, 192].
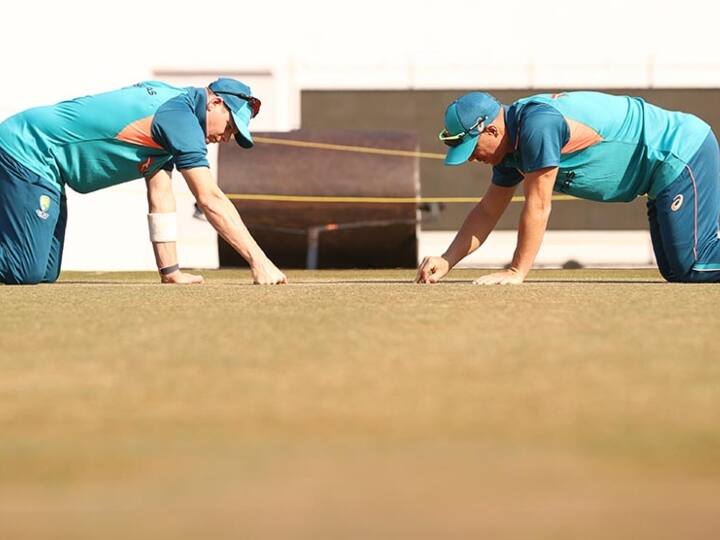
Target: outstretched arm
[474, 231]
[533, 222]
[161, 202]
[223, 216]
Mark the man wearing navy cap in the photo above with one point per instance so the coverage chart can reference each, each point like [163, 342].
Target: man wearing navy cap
[98, 141]
[593, 146]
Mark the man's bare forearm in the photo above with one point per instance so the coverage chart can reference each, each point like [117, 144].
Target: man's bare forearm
[224, 217]
[479, 223]
[534, 217]
[222, 214]
[531, 229]
[161, 200]
[474, 231]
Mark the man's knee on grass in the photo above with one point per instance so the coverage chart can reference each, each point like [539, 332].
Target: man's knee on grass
[23, 271]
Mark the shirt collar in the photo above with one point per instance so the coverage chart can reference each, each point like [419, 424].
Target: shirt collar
[512, 125]
[512, 128]
[198, 102]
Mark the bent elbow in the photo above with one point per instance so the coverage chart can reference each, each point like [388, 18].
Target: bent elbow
[539, 209]
[546, 209]
[204, 202]
[210, 202]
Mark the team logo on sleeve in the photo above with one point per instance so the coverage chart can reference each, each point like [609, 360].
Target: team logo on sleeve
[677, 202]
[44, 202]
[145, 165]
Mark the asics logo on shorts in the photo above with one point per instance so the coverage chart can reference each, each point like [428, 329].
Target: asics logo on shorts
[677, 202]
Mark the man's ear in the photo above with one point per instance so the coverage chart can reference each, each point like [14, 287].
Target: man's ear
[492, 130]
[214, 102]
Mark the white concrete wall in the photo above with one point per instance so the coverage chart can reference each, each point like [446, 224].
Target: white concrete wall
[54, 50]
[589, 248]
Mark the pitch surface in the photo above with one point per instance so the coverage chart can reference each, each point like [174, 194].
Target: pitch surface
[582, 404]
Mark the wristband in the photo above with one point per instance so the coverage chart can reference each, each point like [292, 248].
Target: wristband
[163, 227]
[169, 269]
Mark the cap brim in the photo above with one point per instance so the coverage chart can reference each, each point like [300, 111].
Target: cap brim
[242, 119]
[457, 155]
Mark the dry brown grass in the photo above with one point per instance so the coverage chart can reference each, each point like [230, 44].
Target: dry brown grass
[583, 404]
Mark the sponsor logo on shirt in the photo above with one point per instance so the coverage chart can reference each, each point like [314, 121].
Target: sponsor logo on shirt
[677, 202]
[149, 90]
[44, 203]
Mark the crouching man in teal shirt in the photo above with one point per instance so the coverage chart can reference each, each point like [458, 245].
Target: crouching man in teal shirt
[98, 141]
[593, 146]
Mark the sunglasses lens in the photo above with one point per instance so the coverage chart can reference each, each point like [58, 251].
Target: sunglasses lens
[453, 142]
[254, 105]
[252, 101]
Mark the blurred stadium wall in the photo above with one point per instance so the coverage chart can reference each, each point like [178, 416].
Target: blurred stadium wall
[376, 65]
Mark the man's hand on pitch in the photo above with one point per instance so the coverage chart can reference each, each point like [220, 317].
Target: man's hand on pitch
[432, 270]
[266, 273]
[182, 278]
[511, 276]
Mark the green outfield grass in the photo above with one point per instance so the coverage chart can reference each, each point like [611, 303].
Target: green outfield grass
[584, 404]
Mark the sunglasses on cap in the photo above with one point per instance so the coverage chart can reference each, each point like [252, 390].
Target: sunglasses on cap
[253, 101]
[457, 139]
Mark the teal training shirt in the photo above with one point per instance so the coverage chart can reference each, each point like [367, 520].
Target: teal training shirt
[97, 141]
[607, 148]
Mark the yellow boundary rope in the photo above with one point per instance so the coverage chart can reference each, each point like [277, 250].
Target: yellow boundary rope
[361, 200]
[370, 200]
[348, 148]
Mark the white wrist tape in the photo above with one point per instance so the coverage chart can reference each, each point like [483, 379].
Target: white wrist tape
[163, 227]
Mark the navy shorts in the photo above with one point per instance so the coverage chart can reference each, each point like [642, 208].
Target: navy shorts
[685, 220]
[32, 225]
